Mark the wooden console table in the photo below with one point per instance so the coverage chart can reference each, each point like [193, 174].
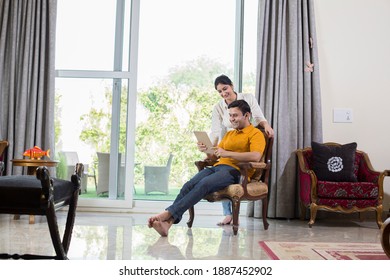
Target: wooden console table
[32, 165]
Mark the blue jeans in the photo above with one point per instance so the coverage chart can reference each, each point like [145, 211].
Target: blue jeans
[227, 207]
[204, 182]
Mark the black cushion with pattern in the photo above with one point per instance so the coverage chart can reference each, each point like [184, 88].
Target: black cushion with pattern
[334, 163]
[24, 191]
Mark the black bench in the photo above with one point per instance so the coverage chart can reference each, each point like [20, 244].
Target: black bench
[42, 195]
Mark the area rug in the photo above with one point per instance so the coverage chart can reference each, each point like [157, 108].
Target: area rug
[322, 251]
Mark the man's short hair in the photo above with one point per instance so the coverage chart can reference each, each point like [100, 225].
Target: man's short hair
[242, 105]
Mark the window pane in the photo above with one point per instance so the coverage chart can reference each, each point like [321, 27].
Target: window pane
[176, 32]
[83, 126]
[250, 46]
[85, 34]
[183, 46]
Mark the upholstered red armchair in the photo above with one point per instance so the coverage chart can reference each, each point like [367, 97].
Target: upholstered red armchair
[360, 193]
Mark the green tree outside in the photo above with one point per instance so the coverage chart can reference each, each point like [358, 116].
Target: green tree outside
[174, 108]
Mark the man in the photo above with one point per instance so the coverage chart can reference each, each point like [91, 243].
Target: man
[243, 143]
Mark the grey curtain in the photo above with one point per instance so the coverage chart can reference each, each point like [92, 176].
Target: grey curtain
[27, 46]
[288, 90]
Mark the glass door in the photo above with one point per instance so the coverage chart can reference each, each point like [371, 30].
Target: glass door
[95, 93]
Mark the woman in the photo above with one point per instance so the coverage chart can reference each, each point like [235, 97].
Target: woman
[220, 123]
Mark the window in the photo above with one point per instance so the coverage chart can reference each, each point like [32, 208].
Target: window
[176, 51]
[92, 90]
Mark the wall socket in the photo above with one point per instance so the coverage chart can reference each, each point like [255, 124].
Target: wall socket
[342, 115]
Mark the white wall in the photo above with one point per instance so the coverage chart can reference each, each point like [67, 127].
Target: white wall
[353, 40]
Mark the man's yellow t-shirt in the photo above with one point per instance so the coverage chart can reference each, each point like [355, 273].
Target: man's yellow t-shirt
[249, 139]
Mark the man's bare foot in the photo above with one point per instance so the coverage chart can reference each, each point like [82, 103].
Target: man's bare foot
[162, 217]
[226, 221]
[162, 227]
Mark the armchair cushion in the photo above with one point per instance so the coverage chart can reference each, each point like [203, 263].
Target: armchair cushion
[334, 163]
[347, 190]
[348, 204]
[25, 191]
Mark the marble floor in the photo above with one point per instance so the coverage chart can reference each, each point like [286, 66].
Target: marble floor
[116, 236]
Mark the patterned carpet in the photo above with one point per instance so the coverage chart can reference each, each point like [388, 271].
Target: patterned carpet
[323, 251]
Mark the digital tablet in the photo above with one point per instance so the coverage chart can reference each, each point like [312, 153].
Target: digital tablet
[204, 138]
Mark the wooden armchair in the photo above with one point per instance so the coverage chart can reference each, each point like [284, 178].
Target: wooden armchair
[366, 194]
[249, 189]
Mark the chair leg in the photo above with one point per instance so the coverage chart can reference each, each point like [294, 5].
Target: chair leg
[54, 233]
[191, 218]
[236, 212]
[70, 222]
[47, 186]
[265, 212]
[94, 179]
[379, 211]
[313, 214]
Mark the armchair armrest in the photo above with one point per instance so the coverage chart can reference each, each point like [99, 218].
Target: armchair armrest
[257, 165]
[307, 179]
[245, 166]
[302, 164]
[367, 173]
[201, 164]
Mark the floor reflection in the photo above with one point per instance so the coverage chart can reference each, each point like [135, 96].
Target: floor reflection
[207, 245]
[98, 236]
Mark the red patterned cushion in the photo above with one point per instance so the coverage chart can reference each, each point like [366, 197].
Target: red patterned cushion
[348, 203]
[348, 190]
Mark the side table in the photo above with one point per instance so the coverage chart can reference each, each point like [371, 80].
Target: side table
[32, 165]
